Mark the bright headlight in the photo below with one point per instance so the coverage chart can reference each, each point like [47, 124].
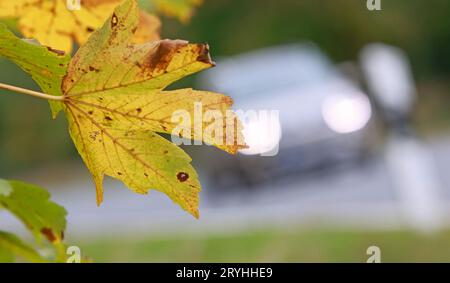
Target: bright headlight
[346, 113]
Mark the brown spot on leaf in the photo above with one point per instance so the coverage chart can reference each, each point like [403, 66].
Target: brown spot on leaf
[90, 29]
[92, 69]
[107, 118]
[48, 233]
[139, 110]
[119, 173]
[93, 135]
[57, 52]
[145, 174]
[203, 54]
[159, 58]
[182, 177]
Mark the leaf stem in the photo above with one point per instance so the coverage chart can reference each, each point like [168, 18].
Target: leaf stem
[31, 92]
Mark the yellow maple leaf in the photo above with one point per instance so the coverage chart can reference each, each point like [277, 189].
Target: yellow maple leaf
[55, 25]
[115, 102]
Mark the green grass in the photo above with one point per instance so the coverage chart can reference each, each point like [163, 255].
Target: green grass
[272, 246]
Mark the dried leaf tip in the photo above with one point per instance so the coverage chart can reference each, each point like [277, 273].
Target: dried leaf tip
[204, 55]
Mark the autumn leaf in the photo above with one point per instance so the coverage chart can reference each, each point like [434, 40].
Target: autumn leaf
[114, 99]
[54, 25]
[11, 246]
[44, 218]
[32, 206]
[181, 9]
[45, 65]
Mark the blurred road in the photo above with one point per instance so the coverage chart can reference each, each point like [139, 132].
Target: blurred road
[359, 197]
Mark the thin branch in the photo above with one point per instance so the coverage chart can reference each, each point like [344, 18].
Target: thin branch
[32, 93]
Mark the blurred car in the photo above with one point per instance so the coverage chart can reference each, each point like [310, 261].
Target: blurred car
[315, 119]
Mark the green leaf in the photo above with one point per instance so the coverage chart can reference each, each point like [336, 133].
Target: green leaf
[11, 246]
[32, 206]
[48, 71]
